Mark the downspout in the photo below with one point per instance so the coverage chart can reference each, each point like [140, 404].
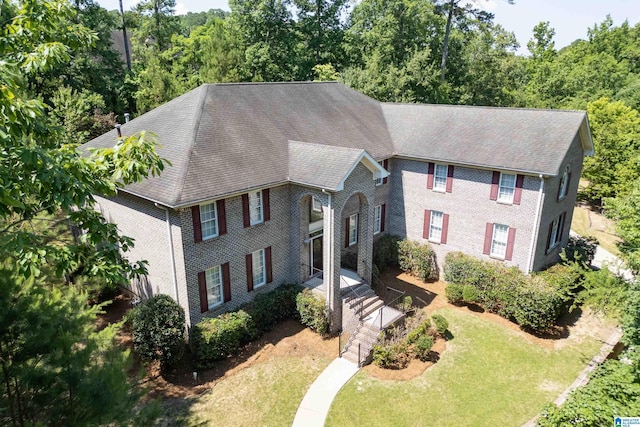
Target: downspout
[536, 225]
[171, 253]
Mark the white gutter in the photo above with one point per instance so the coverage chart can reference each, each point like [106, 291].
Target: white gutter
[171, 253]
[536, 225]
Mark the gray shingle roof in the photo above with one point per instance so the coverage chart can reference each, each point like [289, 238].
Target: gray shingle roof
[225, 139]
[525, 140]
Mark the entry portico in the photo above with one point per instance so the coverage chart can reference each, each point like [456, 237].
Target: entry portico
[335, 188]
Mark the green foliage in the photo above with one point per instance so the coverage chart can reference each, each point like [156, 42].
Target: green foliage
[158, 326]
[453, 293]
[418, 260]
[441, 324]
[391, 351]
[581, 249]
[385, 252]
[56, 368]
[613, 389]
[216, 338]
[422, 347]
[626, 211]
[534, 302]
[604, 292]
[313, 311]
[219, 337]
[275, 306]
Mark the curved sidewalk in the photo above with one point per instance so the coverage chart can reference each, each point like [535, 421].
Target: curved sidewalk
[315, 405]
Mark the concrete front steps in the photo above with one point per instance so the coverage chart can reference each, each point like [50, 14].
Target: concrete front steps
[372, 316]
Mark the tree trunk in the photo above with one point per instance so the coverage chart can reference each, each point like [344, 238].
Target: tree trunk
[445, 49]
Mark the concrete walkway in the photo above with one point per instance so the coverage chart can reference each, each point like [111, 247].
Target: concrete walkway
[315, 405]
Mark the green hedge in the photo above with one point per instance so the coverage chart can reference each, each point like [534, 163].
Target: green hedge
[533, 301]
[313, 311]
[385, 252]
[219, 337]
[418, 259]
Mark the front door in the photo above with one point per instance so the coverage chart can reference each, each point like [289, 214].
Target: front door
[316, 255]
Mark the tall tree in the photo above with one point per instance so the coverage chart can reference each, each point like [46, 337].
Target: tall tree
[453, 9]
[320, 34]
[160, 24]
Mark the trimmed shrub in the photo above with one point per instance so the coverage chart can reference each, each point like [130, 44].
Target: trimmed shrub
[219, 337]
[470, 294]
[158, 326]
[415, 332]
[537, 306]
[313, 311]
[441, 324]
[422, 347]
[392, 349]
[385, 252]
[453, 293]
[275, 306]
[418, 260]
[460, 269]
[564, 278]
[581, 249]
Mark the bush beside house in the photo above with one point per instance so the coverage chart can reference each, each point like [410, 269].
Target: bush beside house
[533, 301]
[418, 259]
[158, 326]
[219, 337]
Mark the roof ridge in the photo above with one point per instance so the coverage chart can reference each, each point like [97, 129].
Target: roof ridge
[333, 147]
[301, 82]
[487, 107]
[192, 137]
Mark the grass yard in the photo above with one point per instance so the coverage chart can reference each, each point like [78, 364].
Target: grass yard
[489, 375]
[267, 394]
[588, 223]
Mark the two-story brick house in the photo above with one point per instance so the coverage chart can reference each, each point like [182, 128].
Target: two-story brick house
[273, 183]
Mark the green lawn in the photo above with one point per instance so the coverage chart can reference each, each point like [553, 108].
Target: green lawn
[267, 394]
[488, 376]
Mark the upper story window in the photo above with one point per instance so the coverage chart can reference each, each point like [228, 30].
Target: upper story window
[506, 188]
[315, 214]
[214, 286]
[385, 164]
[255, 207]
[440, 177]
[209, 221]
[316, 205]
[563, 187]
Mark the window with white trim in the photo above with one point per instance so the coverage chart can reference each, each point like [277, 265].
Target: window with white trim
[507, 187]
[316, 204]
[255, 207]
[259, 268]
[435, 226]
[379, 181]
[209, 221]
[564, 184]
[499, 241]
[353, 229]
[440, 177]
[377, 222]
[213, 277]
[555, 232]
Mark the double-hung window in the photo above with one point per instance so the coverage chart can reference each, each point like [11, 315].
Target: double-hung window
[214, 286]
[499, 241]
[209, 220]
[379, 181]
[440, 177]
[556, 229]
[564, 185]
[377, 222]
[506, 188]
[435, 226]
[259, 268]
[353, 229]
[255, 207]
